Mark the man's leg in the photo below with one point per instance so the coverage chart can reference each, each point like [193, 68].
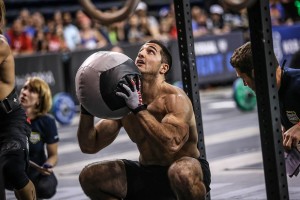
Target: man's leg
[104, 180]
[186, 178]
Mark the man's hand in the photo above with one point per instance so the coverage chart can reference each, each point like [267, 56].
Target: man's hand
[291, 137]
[134, 99]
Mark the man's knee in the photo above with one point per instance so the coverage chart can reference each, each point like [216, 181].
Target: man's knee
[186, 178]
[184, 170]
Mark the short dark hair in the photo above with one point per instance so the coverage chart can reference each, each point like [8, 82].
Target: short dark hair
[242, 59]
[165, 53]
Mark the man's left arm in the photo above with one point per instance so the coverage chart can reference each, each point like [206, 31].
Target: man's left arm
[172, 131]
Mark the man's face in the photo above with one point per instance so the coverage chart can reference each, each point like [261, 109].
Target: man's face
[248, 81]
[149, 58]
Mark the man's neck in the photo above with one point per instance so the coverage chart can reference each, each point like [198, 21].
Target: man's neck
[151, 87]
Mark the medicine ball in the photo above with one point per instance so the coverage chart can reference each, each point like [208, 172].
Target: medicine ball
[98, 79]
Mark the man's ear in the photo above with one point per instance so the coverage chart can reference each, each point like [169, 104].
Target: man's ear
[164, 68]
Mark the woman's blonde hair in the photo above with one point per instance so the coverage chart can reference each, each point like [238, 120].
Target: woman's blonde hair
[45, 96]
[2, 14]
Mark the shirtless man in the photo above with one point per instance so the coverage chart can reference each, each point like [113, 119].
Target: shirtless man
[14, 127]
[164, 131]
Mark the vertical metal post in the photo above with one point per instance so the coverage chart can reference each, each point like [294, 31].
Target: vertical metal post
[188, 65]
[267, 100]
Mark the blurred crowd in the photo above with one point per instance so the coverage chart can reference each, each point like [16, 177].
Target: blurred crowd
[65, 31]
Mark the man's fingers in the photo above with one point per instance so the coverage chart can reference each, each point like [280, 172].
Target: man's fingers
[121, 94]
[131, 83]
[287, 142]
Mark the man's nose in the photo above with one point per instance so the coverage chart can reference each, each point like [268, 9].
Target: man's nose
[141, 54]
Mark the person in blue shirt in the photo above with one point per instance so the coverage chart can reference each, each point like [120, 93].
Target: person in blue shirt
[288, 85]
[36, 99]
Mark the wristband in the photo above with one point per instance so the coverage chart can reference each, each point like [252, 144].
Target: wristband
[140, 108]
[47, 166]
[84, 111]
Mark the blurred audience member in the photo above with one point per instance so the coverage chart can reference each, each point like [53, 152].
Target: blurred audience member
[26, 19]
[116, 31]
[55, 37]
[134, 31]
[216, 24]
[91, 38]
[57, 17]
[20, 41]
[236, 20]
[38, 21]
[149, 24]
[71, 32]
[277, 13]
[199, 21]
[39, 42]
[167, 23]
[291, 11]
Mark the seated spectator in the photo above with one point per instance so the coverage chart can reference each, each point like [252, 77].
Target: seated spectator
[277, 13]
[39, 42]
[236, 20]
[38, 21]
[91, 38]
[134, 31]
[291, 11]
[116, 31]
[71, 32]
[19, 41]
[27, 22]
[149, 24]
[216, 24]
[167, 23]
[55, 38]
[58, 19]
[199, 21]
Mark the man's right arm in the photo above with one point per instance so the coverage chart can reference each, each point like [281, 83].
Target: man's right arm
[92, 138]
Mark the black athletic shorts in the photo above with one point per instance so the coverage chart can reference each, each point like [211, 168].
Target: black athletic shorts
[151, 182]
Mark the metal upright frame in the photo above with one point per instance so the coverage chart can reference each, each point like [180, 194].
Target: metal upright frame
[190, 81]
[188, 64]
[267, 100]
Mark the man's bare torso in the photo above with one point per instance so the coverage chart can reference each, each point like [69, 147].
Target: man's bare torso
[151, 151]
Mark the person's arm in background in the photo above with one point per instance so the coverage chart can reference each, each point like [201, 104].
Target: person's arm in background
[51, 160]
[291, 137]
